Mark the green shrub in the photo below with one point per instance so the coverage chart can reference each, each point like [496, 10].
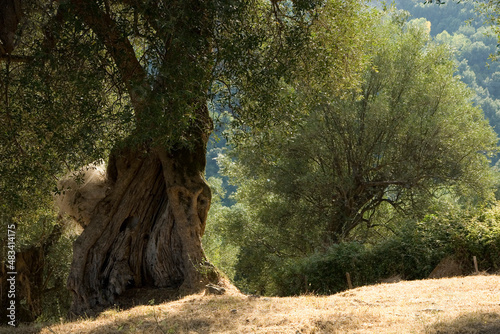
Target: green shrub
[413, 252]
[324, 273]
[480, 237]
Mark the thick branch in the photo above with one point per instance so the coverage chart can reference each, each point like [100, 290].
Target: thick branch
[386, 183]
[10, 16]
[118, 45]
[15, 58]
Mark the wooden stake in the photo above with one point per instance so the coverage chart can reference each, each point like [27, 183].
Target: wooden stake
[475, 264]
[349, 283]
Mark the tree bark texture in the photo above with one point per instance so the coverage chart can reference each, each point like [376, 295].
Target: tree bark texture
[10, 15]
[30, 277]
[146, 232]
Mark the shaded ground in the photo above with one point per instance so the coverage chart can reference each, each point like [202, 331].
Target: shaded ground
[476, 322]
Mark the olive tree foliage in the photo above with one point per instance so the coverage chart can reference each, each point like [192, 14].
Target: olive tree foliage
[255, 103]
[50, 124]
[58, 111]
[128, 82]
[408, 133]
[259, 99]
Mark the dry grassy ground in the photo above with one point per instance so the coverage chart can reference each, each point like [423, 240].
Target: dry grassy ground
[455, 305]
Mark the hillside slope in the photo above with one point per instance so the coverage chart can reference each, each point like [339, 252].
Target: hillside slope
[454, 305]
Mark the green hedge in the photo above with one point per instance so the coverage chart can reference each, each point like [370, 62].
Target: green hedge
[412, 253]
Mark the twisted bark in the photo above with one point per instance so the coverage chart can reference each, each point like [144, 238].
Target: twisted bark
[146, 232]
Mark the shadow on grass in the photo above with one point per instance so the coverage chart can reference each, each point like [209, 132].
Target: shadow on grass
[197, 315]
[210, 314]
[21, 329]
[128, 300]
[200, 315]
[470, 323]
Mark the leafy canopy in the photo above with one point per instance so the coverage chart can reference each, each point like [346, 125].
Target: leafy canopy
[409, 132]
[85, 77]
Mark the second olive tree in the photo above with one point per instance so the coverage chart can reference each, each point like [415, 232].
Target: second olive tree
[408, 133]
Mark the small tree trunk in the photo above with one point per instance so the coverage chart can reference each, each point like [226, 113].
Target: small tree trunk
[146, 232]
[29, 267]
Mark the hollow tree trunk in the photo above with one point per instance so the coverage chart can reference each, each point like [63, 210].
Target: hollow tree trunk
[146, 232]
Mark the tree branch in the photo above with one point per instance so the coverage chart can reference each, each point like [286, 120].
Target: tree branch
[16, 58]
[119, 47]
[385, 183]
[10, 16]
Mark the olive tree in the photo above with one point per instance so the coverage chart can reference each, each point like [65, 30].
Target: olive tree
[409, 132]
[128, 82]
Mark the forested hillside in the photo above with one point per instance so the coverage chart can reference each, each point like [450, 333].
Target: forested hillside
[466, 32]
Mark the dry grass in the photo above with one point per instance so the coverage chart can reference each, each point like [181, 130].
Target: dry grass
[445, 306]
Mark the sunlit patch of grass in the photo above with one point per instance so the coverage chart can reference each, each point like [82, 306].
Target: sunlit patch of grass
[446, 306]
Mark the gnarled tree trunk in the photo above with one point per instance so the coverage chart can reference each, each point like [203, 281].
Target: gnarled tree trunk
[146, 232]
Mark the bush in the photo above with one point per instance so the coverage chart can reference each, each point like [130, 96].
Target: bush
[412, 253]
[324, 273]
[480, 237]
